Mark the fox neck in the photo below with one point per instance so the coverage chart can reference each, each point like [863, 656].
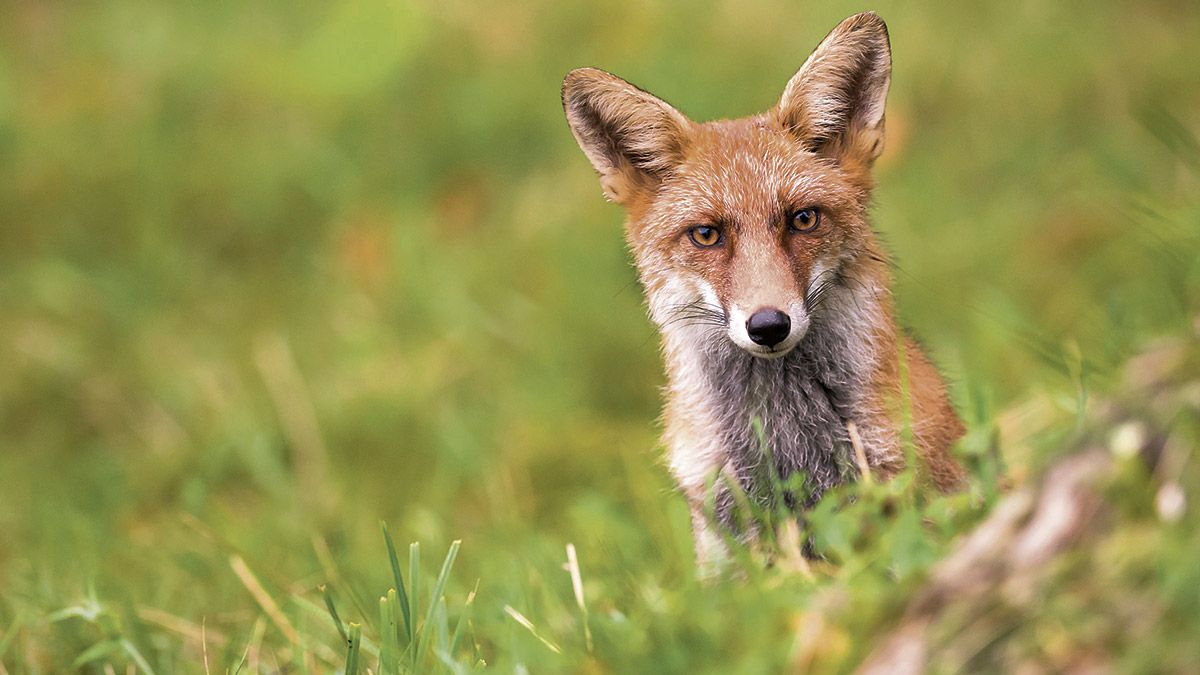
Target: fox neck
[731, 412]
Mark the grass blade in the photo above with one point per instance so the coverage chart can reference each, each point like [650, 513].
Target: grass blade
[414, 584]
[337, 620]
[451, 665]
[96, 652]
[11, 635]
[442, 625]
[132, 651]
[242, 662]
[354, 652]
[399, 580]
[462, 618]
[439, 586]
[387, 637]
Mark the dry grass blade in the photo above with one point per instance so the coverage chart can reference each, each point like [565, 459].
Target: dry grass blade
[263, 598]
[577, 587]
[860, 454]
[204, 644]
[528, 625]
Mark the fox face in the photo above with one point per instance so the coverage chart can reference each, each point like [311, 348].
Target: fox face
[741, 227]
[747, 233]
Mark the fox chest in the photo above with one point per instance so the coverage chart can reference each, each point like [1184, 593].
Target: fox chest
[785, 422]
[781, 425]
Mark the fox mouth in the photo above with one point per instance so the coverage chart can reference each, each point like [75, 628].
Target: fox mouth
[769, 353]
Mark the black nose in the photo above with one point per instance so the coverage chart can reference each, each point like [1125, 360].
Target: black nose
[768, 327]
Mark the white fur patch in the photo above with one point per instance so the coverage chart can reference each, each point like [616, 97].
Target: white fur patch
[694, 452]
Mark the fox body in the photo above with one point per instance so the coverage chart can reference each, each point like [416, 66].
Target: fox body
[766, 280]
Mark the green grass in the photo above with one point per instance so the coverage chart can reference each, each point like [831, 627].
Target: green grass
[273, 274]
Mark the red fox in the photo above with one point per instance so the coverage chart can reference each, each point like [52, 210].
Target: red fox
[766, 280]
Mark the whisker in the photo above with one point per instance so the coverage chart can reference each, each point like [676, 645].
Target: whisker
[698, 312]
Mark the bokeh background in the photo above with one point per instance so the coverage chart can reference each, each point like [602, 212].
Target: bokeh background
[273, 272]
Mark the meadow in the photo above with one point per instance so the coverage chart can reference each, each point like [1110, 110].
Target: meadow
[274, 274]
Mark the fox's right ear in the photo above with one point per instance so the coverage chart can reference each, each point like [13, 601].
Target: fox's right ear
[632, 138]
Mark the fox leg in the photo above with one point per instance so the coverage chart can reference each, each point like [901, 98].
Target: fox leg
[711, 551]
[715, 523]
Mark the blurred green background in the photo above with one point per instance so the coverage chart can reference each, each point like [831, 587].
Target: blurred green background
[272, 272]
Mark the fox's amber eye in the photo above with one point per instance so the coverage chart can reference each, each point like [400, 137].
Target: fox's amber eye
[705, 236]
[805, 220]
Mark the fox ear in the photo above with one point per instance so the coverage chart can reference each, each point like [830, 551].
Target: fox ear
[632, 138]
[834, 103]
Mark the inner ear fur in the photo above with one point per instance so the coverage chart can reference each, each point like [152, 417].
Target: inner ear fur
[835, 103]
[632, 138]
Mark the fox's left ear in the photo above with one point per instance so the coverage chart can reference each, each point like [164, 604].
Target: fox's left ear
[834, 103]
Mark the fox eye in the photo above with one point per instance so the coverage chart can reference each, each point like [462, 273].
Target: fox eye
[805, 220]
[705, 236]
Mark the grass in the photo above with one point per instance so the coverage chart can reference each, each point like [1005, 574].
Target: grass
[270, 275]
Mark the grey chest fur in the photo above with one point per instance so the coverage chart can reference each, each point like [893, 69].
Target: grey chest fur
[787, 415]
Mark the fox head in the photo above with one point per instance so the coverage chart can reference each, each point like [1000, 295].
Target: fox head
[743, 226]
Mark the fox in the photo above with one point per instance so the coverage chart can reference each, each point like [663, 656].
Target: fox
[768, 285]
